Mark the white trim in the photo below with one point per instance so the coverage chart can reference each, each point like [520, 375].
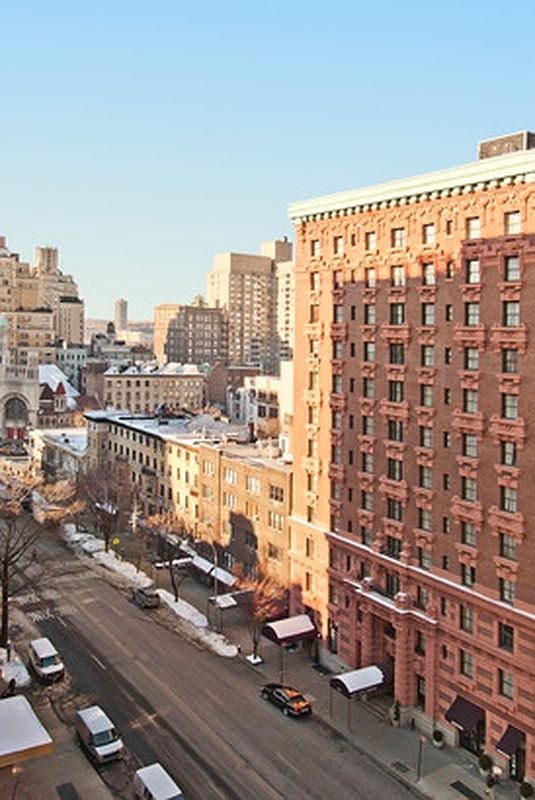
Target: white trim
[486, 173]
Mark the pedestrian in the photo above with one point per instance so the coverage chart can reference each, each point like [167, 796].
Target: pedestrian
[9, 691]
[8, 651]
[490, 791]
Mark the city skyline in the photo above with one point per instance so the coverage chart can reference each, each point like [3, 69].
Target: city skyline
[188, 138]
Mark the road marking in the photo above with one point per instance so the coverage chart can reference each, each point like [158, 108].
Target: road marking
[288, 763]
[98, 661]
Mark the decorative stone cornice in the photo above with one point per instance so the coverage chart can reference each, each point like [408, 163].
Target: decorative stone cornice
[477, 176]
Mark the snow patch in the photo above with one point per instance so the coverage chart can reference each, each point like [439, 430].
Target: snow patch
[189, 614]
[13, 669]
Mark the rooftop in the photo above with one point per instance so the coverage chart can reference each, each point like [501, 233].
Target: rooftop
[185, 428]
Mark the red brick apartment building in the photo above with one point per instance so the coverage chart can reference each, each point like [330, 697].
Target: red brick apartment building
[414, 441]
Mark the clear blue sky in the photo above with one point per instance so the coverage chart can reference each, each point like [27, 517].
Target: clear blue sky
[143, 137]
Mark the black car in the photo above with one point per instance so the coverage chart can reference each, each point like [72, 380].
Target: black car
[290, 701]
[146, 598]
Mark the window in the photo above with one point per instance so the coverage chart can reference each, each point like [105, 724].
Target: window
[397, 276]
[312, 448]
[397, 237]
[338, 275]
[512, 222]
[505, 684]
[366, 500]
[366, 536]
[428, 274]
[368, 387]
[275, 520]
[472, 271]
[428, 234]
[471, 358]
[446, 439]
[469, 489]
[336, 454]
[314, 281]
[420, 691]
[229, 500]
[395, 469]
[507, 546]
[426, 395]
[276, 493]
[391, 584]
[393, 547]
[397, 313]
[422, 597]
[468, 533]
[395, 391]
[338, 349]
[309, 582]
[446, 525]
[394, 509]
[471, 314]
[445, 481]
[396, 354]
[369, 314]
[427, 355]
[507, 591]
[511, 271]
[466, 619]
[511, 313]
[510, 406]
[428, 313]
[230, 476]
[508, 499]
[424, 558]
[473, 228]
[370, 278]
[426, 436]
[506, 637]
[367, 462]
[470, 401]
[309, 547]
[337, 384]
[426, 477]
[315, 249]
[368, 426]
[395, 430]
[370, 240]
[509, 360]
[468, 575]
[419, 645]
[338, 314]
[312, 415]
[508, 453]
[448, 313]
[447, 397]
[314, 312]
[369, 351]
[466, 663]
[450, 269]
[353, 313]
[338, 245]
[469, 445]
[443, 606]
[425, 521]
[448, 355]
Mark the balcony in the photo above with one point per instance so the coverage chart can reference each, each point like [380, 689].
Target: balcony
[505, 337]
[469, 336]
[512, 429]
[339, 330]
[396, 334]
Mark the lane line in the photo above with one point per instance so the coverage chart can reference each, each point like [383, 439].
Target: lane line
[98, 661]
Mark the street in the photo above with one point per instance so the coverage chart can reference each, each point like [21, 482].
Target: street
[198, 714]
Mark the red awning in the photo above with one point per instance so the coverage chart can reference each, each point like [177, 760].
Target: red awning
[290, 630]
[511, 740]
[464, 714]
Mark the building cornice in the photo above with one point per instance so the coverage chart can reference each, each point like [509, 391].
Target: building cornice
[488, 173]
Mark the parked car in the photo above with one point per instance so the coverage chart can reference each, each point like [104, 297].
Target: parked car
[154, 783]
[98, 736]
[291, 702]
[146, 598]
[45, 660]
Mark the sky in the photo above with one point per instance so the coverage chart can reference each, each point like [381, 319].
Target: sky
[141, 138]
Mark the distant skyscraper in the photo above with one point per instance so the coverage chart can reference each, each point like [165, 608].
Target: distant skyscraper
[120, 316]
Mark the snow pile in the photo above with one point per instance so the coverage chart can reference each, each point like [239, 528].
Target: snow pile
[13, 669]
[124, 568]
[189, 614]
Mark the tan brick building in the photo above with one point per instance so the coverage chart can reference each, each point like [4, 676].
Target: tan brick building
[412, 526]
[145, 387]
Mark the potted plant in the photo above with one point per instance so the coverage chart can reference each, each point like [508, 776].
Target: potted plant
[485, 763]
[438, 738]
[526, 789]
[396, 715]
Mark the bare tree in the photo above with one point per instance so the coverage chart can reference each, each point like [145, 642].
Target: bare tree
[19, 533]
[265, 599]
[174, 529]
[107, 502]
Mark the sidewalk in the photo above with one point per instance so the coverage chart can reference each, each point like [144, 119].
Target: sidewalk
[446, 774]
[65, 773]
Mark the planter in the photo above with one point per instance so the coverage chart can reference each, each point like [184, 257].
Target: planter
[438, 739]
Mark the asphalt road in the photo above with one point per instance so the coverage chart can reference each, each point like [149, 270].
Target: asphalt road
[198, 714]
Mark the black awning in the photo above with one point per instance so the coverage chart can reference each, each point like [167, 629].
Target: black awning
[464, 714]
[511, 740]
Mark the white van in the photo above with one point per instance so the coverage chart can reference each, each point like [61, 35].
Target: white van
[98, 735]
[154, 783]
[45, 660]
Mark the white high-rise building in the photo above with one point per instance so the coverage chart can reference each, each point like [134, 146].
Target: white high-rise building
[120, 315]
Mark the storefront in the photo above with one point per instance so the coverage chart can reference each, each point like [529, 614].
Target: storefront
[513, 745]
[470, 720]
